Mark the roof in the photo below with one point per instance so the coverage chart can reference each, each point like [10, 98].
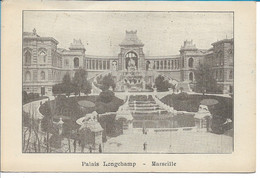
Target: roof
[223, 41]
[34, 36]
[161, 57]
[31, 34]
[131, 39]
[100, 57]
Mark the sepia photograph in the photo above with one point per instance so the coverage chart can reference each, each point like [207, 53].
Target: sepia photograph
[132, 82]
[130, 87]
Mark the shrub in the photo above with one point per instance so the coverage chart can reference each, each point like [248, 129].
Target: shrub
[107, 82]
[162, 84]
[149, 87]
[106, 96]
[32, 96]
[182, 96]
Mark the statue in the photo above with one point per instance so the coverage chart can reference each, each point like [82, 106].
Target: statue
[131, 64]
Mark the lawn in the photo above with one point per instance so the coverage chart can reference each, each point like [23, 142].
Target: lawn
[71, 110]
[190, 103]
[70, 107]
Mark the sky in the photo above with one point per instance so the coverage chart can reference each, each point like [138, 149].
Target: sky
[162, 33]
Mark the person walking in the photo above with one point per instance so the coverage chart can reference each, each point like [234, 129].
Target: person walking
[100, 148]
[145, 146]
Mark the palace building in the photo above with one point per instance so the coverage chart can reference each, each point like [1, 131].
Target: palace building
[44, 64]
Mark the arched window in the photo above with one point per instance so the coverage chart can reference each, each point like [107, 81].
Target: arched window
[27, 57]
[76, 62]
[42, 57]
[114, 65]
[191, 76]
[148, 65]
[42, 75]
[27, 76]
[191, 62]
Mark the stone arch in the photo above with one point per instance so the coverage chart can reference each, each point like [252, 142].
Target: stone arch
[114, 65]
[131, 59]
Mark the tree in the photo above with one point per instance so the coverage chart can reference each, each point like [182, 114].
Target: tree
[87, 88]
[106, 96]
[66, 79]
[205, 79]
[57, 89]
[161, 84]
[108, 82]
[65, 87]
[80, 82]
[25, 96]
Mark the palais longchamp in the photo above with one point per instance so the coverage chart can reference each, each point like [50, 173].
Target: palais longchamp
[44, 64]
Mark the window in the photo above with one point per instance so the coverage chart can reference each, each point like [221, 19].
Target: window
[191, 76]
[42, 75]
[148, 63]
[76, 62]
[182, 63]
[27, 57]
[114, 65]
[42, 57]
[191, 62]
[27, 76]
[66, 62]
[231, 74]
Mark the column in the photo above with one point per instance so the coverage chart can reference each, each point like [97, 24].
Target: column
[108, 64]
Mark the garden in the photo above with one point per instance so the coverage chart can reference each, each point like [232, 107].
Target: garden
[221, 111]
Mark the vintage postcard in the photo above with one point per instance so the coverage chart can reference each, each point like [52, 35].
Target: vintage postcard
[128, 87]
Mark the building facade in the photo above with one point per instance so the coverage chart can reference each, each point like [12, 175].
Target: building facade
[44, 64]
